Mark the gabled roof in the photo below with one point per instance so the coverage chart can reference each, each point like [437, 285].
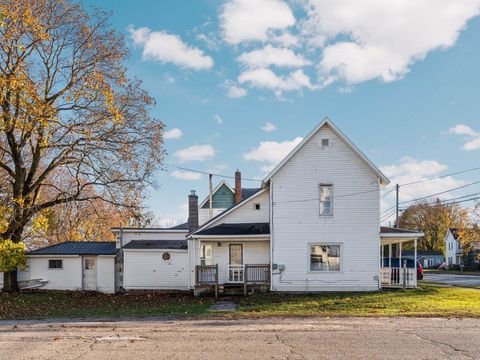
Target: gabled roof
[78, 248]
[455, 232]
[237, 229]
[326, 122]
[229, 210]
[219, 185]
[157, 244]
[390, 230]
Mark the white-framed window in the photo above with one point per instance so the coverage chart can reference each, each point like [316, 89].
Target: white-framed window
[325, 257]
[166, 256]
[326, 199]
[90, 264]
[55, 264]
[206, 255]
[256, 206]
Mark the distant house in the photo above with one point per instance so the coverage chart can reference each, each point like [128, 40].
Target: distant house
[428, 259]
[454, 252]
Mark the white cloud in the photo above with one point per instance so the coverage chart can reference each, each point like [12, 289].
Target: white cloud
[253, 20]
[218, 119]
[175, 133]
[236, 91]
[170, 220]
[382, 39]
[269, 127]
[408, 170]
[474, 137]
[195, 153]
[267, 79]
[271, 152]
[186, 175]
[269, 55]
[169, 48]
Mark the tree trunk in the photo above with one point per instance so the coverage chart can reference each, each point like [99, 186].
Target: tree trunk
[10, 283]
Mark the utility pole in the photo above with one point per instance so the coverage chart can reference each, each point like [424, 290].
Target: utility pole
[397, 202]
[210, 198]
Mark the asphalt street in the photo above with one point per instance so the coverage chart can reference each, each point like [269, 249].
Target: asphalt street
[453, 279]
[312, 338]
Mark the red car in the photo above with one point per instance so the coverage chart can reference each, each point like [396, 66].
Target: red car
[419, 271]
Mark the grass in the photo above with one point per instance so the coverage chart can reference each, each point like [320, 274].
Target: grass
[428, 301]
[453, 272]
[72, 304]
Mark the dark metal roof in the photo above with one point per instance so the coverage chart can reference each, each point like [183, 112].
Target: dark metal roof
[157, 244]
[78, 248]
[183, 226]
[247, 192]
[390, 230]
[238, 229]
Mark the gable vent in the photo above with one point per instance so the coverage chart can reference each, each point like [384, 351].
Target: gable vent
[325, 142]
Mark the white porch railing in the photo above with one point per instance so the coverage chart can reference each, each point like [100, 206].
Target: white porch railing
[235, 273]
[398, 277]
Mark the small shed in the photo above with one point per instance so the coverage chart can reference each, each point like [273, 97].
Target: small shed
[74, 265]
[428, 259]
[156, 265]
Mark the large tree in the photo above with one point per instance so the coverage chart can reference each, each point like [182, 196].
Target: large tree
[434, 218]
[73, 126]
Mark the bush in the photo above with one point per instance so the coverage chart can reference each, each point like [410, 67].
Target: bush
[12, 256]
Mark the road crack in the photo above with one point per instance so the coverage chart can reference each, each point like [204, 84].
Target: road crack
[441, 343]
[293, 353]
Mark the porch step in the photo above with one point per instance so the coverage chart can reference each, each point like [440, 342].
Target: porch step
[230, 289]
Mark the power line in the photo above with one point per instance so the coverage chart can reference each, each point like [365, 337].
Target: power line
[441, 176]
[211, 173]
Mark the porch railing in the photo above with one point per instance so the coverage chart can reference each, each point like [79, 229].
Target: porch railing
[398, 277]
[256, 274]
[207, 275]
[235, 273]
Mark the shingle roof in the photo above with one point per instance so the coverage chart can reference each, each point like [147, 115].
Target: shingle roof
[247, 192]
[183, 226]
[157, 244]
[237, 229]
[78, 248]
[389, 230]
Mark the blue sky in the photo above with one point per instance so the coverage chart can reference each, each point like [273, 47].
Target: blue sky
[398, 80]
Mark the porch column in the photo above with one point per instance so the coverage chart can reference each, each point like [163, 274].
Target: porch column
[415, 260]
[389, 255]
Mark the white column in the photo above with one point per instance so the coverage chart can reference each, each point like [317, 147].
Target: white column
[389, 255]
[415, 261]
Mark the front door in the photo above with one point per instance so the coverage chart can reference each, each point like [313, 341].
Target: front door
[89, 274]
[235, 271]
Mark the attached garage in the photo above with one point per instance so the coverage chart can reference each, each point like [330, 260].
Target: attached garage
[86, 265]
[156, 265]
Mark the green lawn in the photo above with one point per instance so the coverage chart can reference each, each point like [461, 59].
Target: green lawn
[429, 300]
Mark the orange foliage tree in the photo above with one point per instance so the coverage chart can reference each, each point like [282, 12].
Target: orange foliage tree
[73, 127]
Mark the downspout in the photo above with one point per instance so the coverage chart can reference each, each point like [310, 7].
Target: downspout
[271, 235]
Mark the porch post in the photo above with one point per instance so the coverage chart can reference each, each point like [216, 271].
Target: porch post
[415, 260]
[402, 266]
[389, 255]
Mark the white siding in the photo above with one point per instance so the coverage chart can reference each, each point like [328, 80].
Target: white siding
[254, 252]
[152, 235]
[297, 223]
[451, 249]
[68, 278]
[203, 215]
[106, 274]
[145, 269]
[246, 213]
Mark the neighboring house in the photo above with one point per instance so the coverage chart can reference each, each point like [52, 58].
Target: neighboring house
[428, 259]
[72, 266]
[313, 225]
[454, 253]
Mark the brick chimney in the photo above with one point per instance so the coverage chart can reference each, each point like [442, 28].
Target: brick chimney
[238, 186]
[192, 211]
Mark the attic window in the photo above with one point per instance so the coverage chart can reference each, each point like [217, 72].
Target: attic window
[256, 206]
[325, 142]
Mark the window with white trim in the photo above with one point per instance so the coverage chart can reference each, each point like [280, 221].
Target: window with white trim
[326, 199]
[324, 257]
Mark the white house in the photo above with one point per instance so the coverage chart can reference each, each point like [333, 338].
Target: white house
[453, 247]
[313, 225]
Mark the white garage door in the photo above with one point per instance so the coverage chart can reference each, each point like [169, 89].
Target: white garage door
[162, 270]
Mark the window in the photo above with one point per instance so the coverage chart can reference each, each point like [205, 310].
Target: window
[166, 256]
[55, 264]
[90, 264]
[325, 142]
[324, 257]
[256, 206]
[326, 206]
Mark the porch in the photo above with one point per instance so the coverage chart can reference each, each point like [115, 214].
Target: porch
[396, 269]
